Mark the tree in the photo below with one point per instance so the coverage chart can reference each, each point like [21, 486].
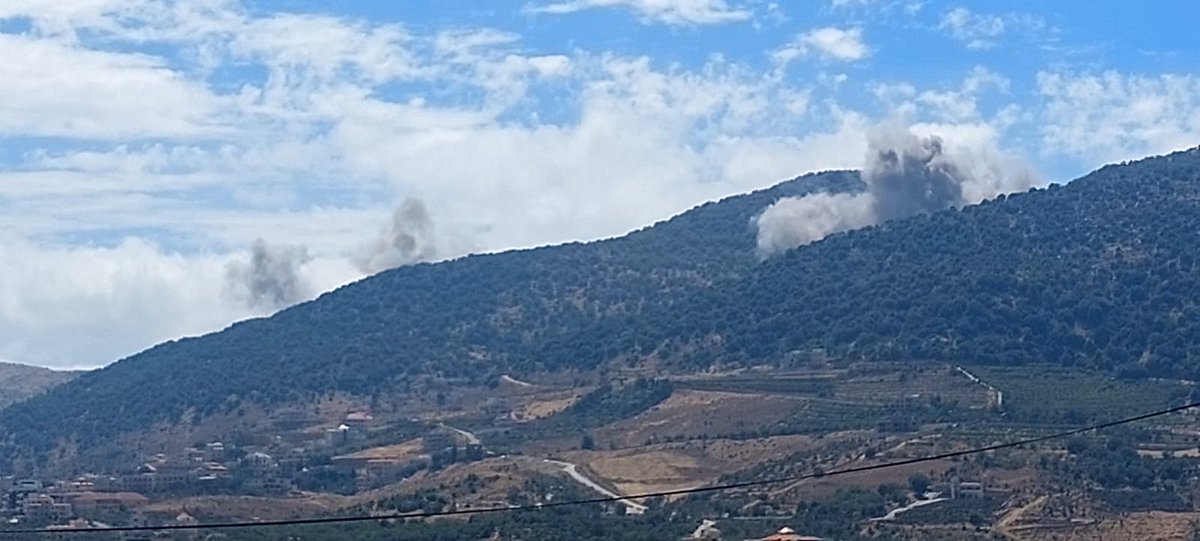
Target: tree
[587, 443]
[919, 483]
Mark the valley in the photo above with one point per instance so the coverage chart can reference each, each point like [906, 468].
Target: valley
[478, 448]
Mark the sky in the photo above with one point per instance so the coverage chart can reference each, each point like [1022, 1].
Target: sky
[167, 168]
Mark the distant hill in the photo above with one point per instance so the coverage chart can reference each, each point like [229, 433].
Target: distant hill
[19, 382]
[1100, 272]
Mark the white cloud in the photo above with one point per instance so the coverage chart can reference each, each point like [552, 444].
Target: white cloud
[672, 12]
[310, 151]
[843, 45]
[962, 105]
[85, 306]
[336, 120]
[984, 30]
[56, 89]
[1116, 116]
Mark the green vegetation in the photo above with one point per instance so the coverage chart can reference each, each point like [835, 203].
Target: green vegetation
[1048, 394]
[819, 386]
[974, 511]
[1097, 274]
[1114, 463]
[1135, 500]
[606, 404]
[582, 523]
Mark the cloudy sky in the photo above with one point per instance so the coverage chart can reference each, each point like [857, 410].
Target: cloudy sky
[167, 168]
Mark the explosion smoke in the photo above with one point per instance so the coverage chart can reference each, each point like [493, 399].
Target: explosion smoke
[905, 175]
[408, 238]
[270, 279]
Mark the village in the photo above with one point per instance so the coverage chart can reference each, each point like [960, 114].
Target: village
[275, 468]
[297, 453]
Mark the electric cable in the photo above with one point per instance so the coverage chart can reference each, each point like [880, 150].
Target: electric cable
[609, 499]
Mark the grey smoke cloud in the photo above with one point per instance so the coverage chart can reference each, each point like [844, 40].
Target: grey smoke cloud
[408, 238]
[905, 175]
[796, 221]
[270, 278]
[908, 175]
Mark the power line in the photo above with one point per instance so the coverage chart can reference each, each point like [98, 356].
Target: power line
[609, 499]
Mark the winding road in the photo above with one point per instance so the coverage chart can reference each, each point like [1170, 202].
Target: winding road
[631, 507]
[472, 439]
[891, 515]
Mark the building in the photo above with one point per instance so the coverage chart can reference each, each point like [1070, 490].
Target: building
[898, 423]
[269, 486]
[214, 452]
[966, 489]
[259, 464]
[338, 435]
[358, 420]
[706, 530]
[25, 486]
[95, 504]
[788, 534]
[43, 509]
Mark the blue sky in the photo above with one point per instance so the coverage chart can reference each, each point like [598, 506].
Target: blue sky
[167, 168]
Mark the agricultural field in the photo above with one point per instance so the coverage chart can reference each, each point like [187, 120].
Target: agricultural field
[1056, 395]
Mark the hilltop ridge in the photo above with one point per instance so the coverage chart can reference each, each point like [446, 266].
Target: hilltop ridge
[1095, 273]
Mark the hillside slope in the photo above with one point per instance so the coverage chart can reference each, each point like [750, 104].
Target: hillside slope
[569, 306]
[1100, 272]
[19, 382]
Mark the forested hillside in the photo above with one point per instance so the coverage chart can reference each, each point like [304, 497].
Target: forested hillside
[1100, 272]
[19, 382]
[575, 305]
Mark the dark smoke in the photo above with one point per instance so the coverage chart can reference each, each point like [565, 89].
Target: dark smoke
[409, 238]
[270, 279]
[912, 176]
[905, 175]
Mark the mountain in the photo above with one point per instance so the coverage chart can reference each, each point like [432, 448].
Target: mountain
[19, 382]
[1100, 272]
[475, 318]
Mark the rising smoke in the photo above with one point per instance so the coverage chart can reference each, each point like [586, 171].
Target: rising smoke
[905, 175]
[409, 238]
[908, 175]
[270, 278]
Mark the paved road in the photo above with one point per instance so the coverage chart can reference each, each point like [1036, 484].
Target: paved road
[632, 507]
[997, 393]
[515, 381]
[919, 503]
[471, 437]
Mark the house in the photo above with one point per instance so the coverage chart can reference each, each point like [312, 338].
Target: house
[259, 464]
[214, 451]
[358, 420]
[25, 486]
[898, 423]
[43, 509]
[706, 530]
[267, 486]
[91, 504]
[788, 534]
[965, 489]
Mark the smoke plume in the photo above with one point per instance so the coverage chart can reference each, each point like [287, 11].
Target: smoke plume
[908, 175]
[409, 238]
[796, 221]
[905, 175]
[270, 278]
